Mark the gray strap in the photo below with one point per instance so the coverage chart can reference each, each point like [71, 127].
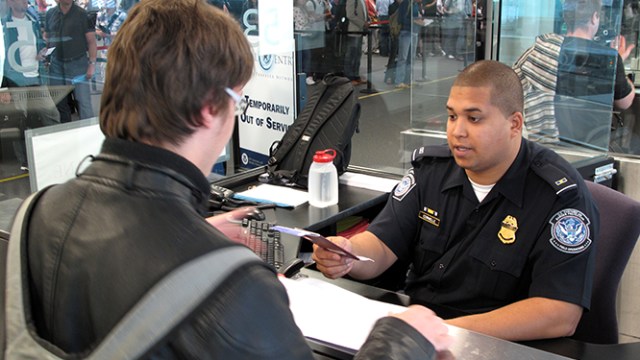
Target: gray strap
[150, 320]
[169, 302]
[16, 326]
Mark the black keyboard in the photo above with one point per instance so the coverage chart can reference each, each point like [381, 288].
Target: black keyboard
[264, 241]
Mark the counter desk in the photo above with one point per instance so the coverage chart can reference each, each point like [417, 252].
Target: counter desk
[468, 344]
[475, 346]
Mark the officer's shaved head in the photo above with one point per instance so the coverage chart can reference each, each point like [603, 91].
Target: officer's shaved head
[506, 89]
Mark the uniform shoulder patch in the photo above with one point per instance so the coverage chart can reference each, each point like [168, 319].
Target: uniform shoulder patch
[570, 231]
[432, 151]
[556, 177]
[405, 185]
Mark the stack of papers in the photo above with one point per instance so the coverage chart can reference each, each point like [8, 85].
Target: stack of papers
[326, 312]
[280, 195]
[368, 181]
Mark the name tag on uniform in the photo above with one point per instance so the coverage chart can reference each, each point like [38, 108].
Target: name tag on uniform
[430, 216]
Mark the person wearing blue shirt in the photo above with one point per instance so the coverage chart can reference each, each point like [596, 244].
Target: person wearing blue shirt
[409, 16]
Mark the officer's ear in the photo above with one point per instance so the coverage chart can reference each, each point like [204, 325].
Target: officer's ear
[516, 121]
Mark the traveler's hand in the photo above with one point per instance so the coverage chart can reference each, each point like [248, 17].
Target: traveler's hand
[427, 324]
[90, 70]
[41, 54]
[331, 264]
[621, 44]
[230, 223]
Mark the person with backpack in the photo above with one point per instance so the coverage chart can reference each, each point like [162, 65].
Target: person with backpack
[136, 213]
[109, 21]
[356, 13]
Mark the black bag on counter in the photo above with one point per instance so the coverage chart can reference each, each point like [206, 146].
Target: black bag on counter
[328, 121]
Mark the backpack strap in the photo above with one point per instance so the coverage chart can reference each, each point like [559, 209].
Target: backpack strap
[112, 19]
[19, 342]
[159, 311]
[169, 302]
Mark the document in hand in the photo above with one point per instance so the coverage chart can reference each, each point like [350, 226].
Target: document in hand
[320, 241]
[326, 312]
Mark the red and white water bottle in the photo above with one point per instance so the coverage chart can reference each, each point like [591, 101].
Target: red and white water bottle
[323, 179]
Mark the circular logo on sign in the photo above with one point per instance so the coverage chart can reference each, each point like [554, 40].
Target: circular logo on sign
[570, 231]
[266, 62]
[244, 158]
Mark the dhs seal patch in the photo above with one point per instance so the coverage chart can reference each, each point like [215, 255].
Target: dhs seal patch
[570, 231]
[404, 186]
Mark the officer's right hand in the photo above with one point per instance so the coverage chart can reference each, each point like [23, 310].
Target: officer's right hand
[331, 264]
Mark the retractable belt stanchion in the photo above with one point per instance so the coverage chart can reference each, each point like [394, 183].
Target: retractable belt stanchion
[424, 55]
[368, 90]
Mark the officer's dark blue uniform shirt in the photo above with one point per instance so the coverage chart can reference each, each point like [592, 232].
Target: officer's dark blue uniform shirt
[532, 235]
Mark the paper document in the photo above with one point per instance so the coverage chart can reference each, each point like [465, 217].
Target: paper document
[368, 181]
[49, 51]
[280, 195]
[326, 312]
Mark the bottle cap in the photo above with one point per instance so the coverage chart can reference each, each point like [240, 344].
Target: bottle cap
[324, 156]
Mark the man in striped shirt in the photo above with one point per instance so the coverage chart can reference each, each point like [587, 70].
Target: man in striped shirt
[571, 82]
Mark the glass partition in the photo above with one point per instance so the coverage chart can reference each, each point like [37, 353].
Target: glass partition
[566, 54]
[452, 30]
[401, 109]
[626, 134]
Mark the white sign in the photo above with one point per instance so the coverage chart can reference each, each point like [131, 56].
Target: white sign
[55, 152]
[271, 95]
[275, 24]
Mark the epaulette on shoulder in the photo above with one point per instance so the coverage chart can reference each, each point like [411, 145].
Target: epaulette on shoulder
[430, 152]
[557, 178]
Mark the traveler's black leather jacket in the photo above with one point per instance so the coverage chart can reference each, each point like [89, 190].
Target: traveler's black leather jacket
[97, 243]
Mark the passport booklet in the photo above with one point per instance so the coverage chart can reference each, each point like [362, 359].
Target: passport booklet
[319, 240]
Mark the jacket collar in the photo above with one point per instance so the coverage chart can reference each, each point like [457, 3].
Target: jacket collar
[137, 165]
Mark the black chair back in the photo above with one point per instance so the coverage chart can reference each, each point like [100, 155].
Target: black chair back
[619, 231]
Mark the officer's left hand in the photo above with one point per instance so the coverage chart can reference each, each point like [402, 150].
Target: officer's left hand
[331, 264]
